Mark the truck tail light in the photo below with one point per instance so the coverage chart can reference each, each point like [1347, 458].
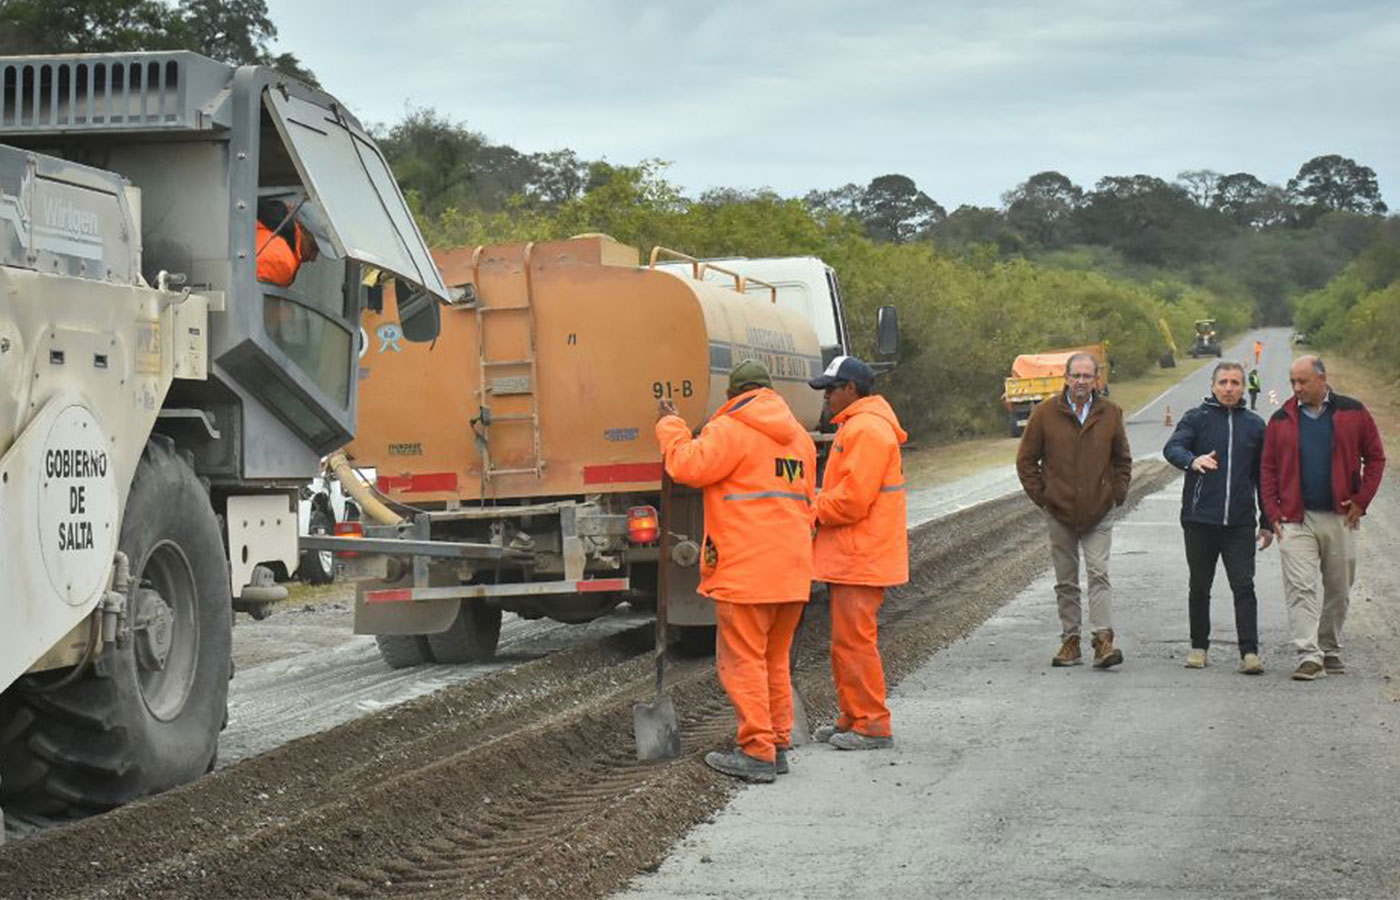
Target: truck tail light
[348, 529]
[643, 527]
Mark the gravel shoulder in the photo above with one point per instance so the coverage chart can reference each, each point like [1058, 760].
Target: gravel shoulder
[520, 782]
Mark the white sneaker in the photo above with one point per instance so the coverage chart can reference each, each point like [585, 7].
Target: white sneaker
[1196, 659]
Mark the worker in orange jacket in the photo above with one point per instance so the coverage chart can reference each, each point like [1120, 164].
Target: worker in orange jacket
[283, 244]
[757, 467]
[862, 547]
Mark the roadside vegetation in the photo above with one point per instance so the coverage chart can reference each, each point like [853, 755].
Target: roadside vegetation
[1358, 312]
[1055, 264]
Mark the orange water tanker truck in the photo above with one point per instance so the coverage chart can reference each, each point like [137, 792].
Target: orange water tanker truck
[515, 463]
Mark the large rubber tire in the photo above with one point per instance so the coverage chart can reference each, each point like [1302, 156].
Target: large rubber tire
[472, 636]
[403, 651]
[127, 729]
[318, 566]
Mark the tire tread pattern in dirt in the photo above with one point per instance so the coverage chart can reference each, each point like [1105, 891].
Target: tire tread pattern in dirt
[94, 744]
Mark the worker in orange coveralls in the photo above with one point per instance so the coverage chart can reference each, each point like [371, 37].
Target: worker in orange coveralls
[757, 466]
[283, 244]
[862, 547]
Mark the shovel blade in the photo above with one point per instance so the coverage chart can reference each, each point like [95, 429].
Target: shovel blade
[801, 731]
[656, 729]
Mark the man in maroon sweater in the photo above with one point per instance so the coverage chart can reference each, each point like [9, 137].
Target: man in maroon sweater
[1322, 464]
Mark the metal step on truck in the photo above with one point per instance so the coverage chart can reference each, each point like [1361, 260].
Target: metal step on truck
[516, 464]
[160, 405]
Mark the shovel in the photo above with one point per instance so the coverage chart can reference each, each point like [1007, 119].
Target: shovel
[654, 724]
[801, 730]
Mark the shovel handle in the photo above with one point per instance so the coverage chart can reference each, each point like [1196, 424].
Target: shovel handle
[663, 574]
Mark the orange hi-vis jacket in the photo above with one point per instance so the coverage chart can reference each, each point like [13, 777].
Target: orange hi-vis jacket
[278, 261]
[862, 530]
[757, 466]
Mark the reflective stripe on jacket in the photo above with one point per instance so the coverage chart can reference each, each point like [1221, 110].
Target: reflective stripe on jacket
[862, 527]
[757, 466]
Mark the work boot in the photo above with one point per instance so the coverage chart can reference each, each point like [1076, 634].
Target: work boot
[854, 740]
[1250, 664]
[1307, 671]
[1070, 654]
[740, 765]
[1105, 654]
[823, 734]
[781, 766]
[1196, 659]
[1332, 663]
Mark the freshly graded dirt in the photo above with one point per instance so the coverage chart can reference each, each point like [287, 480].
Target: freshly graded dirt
[520, 783]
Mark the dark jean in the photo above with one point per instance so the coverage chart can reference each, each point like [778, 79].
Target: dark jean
[1235, 545]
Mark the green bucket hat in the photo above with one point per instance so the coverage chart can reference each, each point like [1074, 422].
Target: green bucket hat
[750, 371]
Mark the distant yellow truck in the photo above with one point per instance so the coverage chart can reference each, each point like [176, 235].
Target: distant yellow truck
[1035, 376]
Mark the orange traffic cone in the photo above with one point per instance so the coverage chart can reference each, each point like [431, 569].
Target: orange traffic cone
[1167, 419]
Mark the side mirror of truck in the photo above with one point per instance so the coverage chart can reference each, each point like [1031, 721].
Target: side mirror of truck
[887, 332]
[420, 318]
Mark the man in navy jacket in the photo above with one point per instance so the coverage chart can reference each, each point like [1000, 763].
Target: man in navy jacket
[1220, 444]
[1322, 465]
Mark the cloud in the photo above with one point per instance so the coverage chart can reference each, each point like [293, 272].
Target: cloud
[967, 98]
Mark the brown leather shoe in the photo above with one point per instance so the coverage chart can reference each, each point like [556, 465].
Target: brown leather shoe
[1070, 654]
[1105, 654]
[1332, 664]
[1307, 671]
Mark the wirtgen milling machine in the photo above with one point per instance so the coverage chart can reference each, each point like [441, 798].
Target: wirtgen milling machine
[159, 406]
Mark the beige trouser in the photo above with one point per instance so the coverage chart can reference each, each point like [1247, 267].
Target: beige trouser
[1065, 545]
[1321, 541]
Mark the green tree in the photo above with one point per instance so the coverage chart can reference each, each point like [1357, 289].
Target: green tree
[1042, 208]
[89, 26]
[1199, 184]
[976, 226]
[1333, 182]
[232, 31]
[895, 210]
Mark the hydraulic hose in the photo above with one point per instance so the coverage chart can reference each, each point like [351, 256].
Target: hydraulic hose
[362, 493]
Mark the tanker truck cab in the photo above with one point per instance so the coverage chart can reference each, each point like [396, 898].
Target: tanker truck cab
[174, 401]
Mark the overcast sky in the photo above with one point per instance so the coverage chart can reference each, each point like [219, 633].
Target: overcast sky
[967, 98]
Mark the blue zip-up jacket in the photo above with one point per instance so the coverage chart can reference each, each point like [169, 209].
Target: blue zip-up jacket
[1230, 494]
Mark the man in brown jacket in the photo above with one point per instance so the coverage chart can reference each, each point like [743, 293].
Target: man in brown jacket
[1075, 464]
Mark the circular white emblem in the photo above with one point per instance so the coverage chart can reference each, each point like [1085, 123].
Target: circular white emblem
[77, 506]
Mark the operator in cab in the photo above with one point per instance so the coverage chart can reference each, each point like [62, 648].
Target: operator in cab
[283, 244]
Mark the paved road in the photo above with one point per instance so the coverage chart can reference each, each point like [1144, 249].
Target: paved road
[1146, 429]
[1013, 779]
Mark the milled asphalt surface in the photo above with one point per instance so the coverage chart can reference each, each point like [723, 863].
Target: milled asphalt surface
[1011, 778]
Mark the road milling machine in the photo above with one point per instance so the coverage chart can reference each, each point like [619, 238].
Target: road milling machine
[516, 457]
[159, 406]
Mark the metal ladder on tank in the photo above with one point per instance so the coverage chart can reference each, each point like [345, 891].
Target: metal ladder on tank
[487, 385]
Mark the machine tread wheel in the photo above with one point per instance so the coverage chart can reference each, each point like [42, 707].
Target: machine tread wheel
[403, 651]
[472, 636]
[125, 730]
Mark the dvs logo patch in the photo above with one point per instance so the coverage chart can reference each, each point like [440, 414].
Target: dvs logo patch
[788, 468]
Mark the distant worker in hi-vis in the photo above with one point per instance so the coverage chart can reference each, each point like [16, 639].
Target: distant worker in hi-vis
[862, 546]
[757, 466]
